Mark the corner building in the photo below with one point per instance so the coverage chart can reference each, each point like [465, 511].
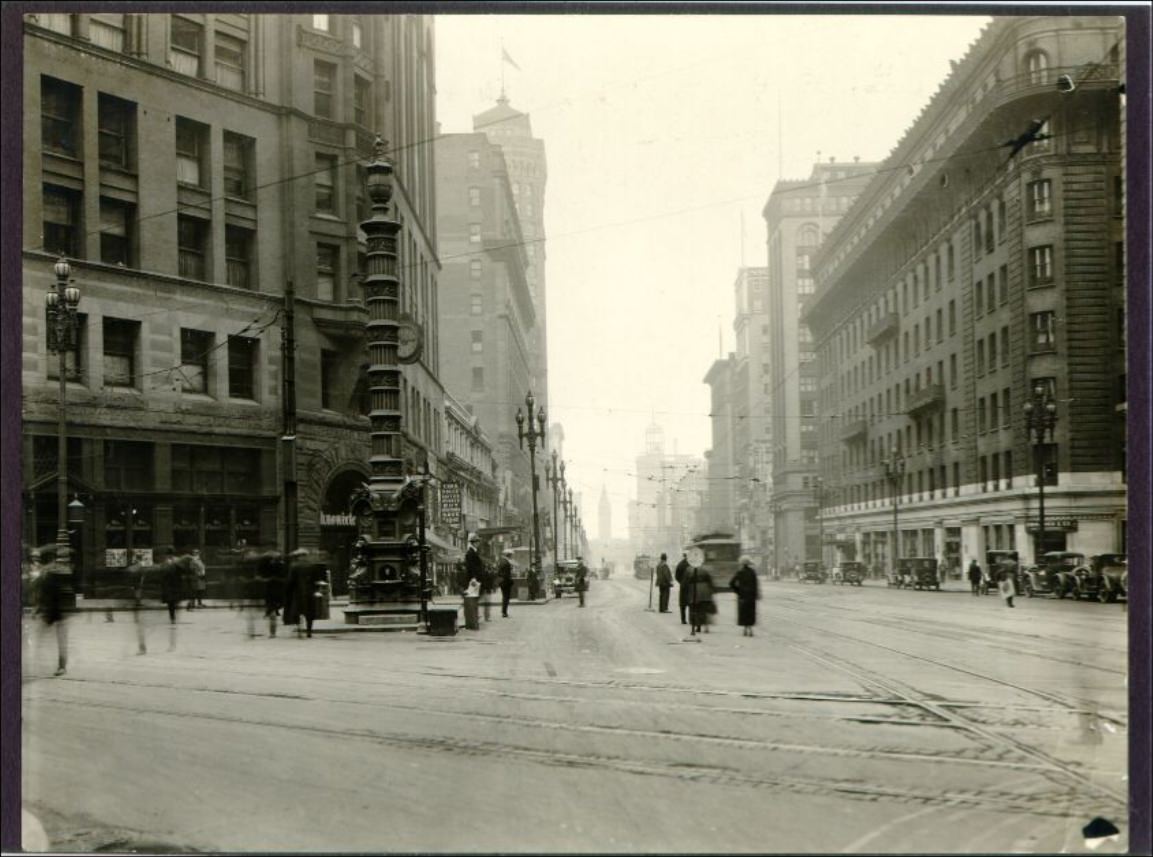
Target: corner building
[190, 167]
[961, 280]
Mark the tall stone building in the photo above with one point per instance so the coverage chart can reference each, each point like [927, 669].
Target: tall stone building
[487, 314]
[659, 523]
[798, 215]
[967, 275]
[191, 166]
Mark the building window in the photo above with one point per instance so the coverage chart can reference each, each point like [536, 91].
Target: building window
[361, 102]
[977, 242]
[326, 269]
[950, 266]
[1040, 199]
[1037, 67]
[323, 87]
[1006, 409]
[477, 341]
[242, 351]
[474, 233]
[325, 180]
[994, 411]
[983, 472]
[990, 232]
[1118, 196]
[191, 148]
[1041, 144]
[478, 379]
[74, 356]
[1040, 265]
[940, 326]
[979, 298]
[808, 236]
[474, 160]
[1002, 221]
[231, 61]
[117, 120]
[980, 357]
[474, 269]
[62, 221]
[322, 22]
[187, 45]
[1007, 472]
[992, 351]
[952, 318]
[1005, 345]
[329, 373]
[215, 470]
[237, 165]
[476, 305]
[1003, 285]
[195, 346]
[128, 467]
[953, 371]
[1042, 331]
[474, 196]
[59, 116]
[120, 339]
[59, 22]
[107, 31]
[357, 31]
[995, 467]
[238, 256]
[955, 424]
[116, 228]
[981, 415]
[192, 242]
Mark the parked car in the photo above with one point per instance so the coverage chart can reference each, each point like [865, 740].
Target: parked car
[812, 570]
[900, 577]
[1053, 575]
[564, 580]
[1104, 577]
[849, 571]
[919, 572]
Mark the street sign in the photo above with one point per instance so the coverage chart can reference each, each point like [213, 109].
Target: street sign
[450, 504]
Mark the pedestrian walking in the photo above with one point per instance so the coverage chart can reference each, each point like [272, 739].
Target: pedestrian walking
[748, 590]
[1007, 584]
[699, 584]
[473, 564]
[52, 605]
[581, 580]
[682, 594]
[271, 572]
[504, 578]
[975, 577]
[199, 579]
[664, 583]
[300, 591]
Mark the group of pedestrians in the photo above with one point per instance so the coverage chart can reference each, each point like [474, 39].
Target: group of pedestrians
[696, 589]
[1005, 578]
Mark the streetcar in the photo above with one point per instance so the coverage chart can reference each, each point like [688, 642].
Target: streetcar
[717, 553]
[643, 567]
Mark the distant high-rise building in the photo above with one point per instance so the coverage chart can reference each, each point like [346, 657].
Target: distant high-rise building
[657, 526]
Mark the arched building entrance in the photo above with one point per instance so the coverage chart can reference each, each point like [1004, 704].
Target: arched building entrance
[337, 526]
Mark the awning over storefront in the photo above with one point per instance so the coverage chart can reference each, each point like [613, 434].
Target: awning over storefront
[442, 550]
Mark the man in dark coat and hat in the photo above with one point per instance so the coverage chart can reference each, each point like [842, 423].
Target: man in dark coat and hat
[504, 579]
[664, 582]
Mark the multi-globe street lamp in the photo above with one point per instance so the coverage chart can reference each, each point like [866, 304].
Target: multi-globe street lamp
[532, 436]
[62, 299]
[1040, 420]
[894, 473]
[566, 507]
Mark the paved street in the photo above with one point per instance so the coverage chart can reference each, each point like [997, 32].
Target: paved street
[857, 720]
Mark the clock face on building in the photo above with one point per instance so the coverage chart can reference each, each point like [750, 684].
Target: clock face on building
[410, 340]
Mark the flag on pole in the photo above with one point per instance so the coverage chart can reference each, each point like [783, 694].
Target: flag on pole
[504, 56]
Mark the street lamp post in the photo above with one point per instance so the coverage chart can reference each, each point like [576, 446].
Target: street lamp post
[532, 436]
[819, 493]
[554, 479]
[566, 507]
[894, 472]
[1040, 420]
[62, 299]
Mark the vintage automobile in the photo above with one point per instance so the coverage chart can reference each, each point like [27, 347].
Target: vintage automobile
[812, 570]
[849, 571]
[1053, 575]
[997, 562]
[564, 580]
[900, 577]
[919, 572]
[1104, 577]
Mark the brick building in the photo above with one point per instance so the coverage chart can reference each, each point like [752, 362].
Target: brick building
[190, 167]
[962, 278]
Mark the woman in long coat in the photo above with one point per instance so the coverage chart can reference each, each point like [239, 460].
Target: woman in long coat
[748, 590]
[698, 588]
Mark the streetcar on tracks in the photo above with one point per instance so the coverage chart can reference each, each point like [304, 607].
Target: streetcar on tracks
[643, 567]
[717, 553]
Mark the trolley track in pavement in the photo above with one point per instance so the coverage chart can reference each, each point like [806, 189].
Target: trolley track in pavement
[1070, 704]
[912, 696]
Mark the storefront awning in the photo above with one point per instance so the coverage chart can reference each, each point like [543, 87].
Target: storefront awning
[442, 550]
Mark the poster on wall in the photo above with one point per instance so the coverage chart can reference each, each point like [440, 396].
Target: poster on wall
[450, 504]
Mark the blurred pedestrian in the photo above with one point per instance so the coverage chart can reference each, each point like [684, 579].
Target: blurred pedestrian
[300, 591]
[470, 596]
[52, 605]
[975, 577]
[504, 578]
[199, 579]
[581, 580]
[664, 583]
[747, 588]
[699, 584]
[271, 574]
[1007, 584]
[682, 594]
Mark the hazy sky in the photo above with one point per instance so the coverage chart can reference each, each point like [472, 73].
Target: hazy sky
[661, 134]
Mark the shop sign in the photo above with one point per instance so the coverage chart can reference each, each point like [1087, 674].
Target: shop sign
[328, 519]
[1065, 524]
[118, 557]
[450, 504]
